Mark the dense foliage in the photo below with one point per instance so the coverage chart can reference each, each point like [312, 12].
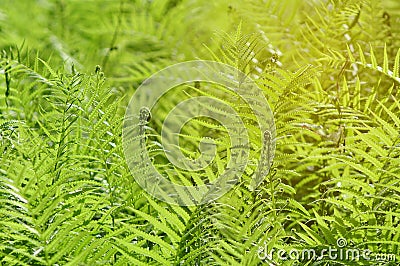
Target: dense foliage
[329, 69]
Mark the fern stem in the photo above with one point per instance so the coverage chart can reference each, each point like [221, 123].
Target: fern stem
[115, 36]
